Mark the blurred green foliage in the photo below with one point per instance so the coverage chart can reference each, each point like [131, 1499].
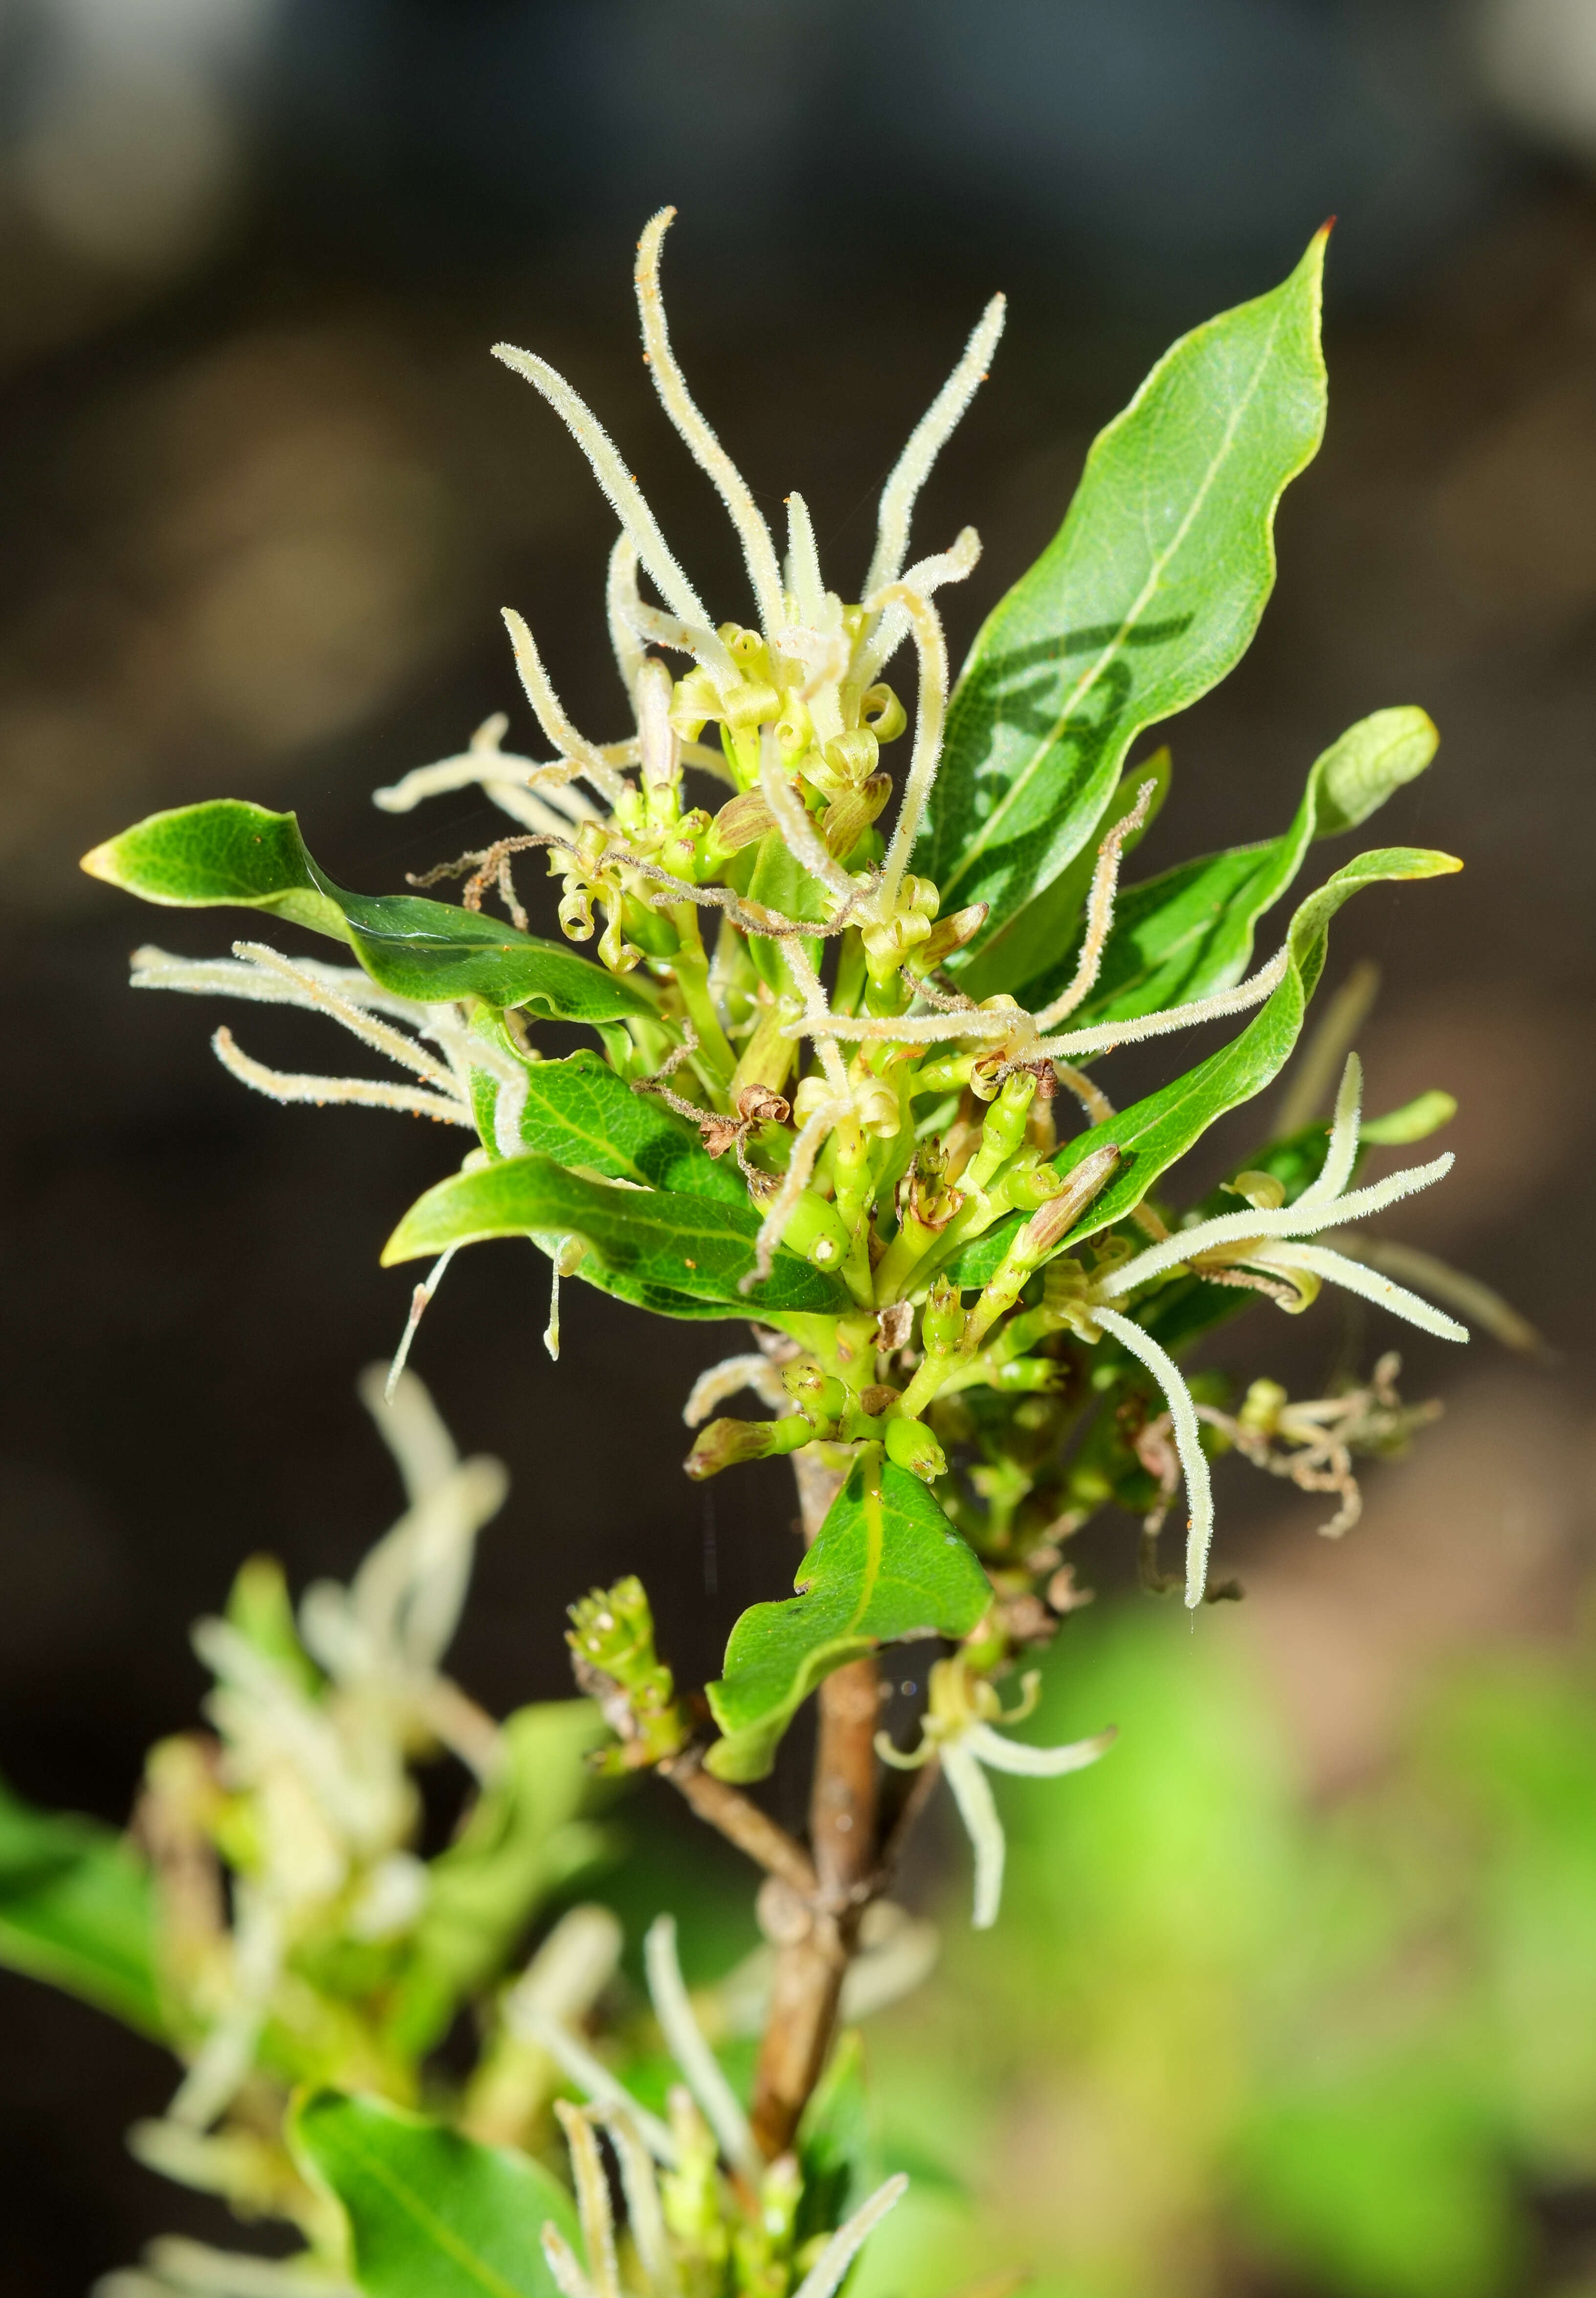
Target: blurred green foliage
[1235, 2036]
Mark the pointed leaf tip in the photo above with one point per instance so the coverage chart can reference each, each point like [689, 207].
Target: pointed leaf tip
[228, 854]
[1148, 595]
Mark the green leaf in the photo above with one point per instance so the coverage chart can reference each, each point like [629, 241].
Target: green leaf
[1189, 933]
[524, 1839]
[1415, 1121]
[582, 1114]
[649, 1242]
[227, 853]
[1149, 593]
[1151, 1133]
[259, 1607]
[1031, 942]
[887, 1563]
[837, 2146]
[779, 880]
[77, 1910]
[431, 2214]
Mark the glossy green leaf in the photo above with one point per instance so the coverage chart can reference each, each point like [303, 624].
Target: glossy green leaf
[1151, 1133]
[430, 2215]
[779, 880]
[668, 1244]
[1189, 933]
[524, 1839]
[229, 853]
[77, 1910]
[1028, 946]
[582, 1114]
[887, 1563]
[1149, 593]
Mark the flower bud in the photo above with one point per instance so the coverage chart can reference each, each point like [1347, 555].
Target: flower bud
[942, 1319]
[1045, 1230]
[725, 1444]
[1262, 1407]
[814, 1232]
[850, 814]
[1002, 1130]
[911, 1445]
[1029, 1184]
[742, 821]
[822, 1399]
[950, 934]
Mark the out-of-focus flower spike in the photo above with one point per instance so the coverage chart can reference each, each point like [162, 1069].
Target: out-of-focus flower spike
[979, 1813]
[569, 2278]
[668, 1994]
[645, 2216]
[413, 1429]
[530, 2021]
[824, 2277]
[1004, 1755]
[592, 2199]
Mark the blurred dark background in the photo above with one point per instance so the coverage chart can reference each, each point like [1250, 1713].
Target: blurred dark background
[264, 491]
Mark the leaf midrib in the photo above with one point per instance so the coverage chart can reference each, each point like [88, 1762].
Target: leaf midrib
[446, 2239]
[1116, 645]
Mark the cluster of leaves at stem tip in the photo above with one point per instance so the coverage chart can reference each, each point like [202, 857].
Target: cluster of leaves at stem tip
[851, 1026]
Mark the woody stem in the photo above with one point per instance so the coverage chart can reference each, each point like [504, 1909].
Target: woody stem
[816, 1940]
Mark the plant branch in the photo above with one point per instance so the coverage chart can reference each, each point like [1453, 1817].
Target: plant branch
[818, 1940]
[740, 1820]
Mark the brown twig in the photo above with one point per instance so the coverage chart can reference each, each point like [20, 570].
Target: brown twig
[816, 1943]
[740, 1820]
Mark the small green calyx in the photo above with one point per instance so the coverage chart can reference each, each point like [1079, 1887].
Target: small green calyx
[611, 1638]
[911, 1445]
